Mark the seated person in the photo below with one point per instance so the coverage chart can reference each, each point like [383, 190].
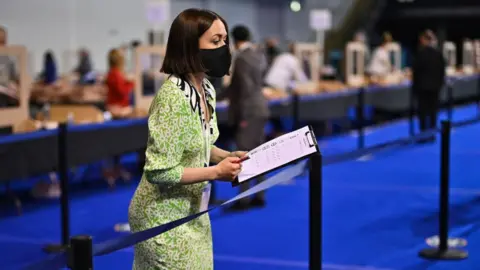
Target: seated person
[49, 74]
[118, 104]
[380, 63]
[119, 88]
[285, 70]
[84, 70]
[8, 76]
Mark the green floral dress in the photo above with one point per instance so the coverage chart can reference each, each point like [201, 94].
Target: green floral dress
[179, 137]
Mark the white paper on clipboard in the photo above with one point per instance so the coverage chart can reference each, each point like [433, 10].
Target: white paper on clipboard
[278, 152]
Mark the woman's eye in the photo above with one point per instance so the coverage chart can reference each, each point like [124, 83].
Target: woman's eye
[216, 42]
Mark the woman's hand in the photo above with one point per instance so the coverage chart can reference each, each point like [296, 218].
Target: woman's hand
[228, 168]
[239, 154]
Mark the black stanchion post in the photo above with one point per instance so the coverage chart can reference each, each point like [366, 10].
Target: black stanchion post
[295, 110]
[443, 252]
[81, 253]
[315, 215]
[63, 172]
[361, 117]
[411, 128]
[450, 101]
[478, 96]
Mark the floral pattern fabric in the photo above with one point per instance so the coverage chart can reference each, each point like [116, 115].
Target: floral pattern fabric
[177, 137]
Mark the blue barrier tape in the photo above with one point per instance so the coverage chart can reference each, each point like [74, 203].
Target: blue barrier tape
[119, 243]
[28, 136]
[116, 244]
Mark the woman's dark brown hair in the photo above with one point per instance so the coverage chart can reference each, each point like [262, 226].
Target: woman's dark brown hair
[182, 56]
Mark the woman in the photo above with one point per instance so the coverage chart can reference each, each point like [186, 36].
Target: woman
[119, 88]
[380, 64]
[118, 104]
[182, 130]
[49, 69]
[84, 68]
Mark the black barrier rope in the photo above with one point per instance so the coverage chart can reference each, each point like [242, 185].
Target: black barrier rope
[443, 252]
[80, 251]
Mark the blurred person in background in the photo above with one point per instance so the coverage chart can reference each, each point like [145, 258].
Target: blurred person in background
[8, 76]
[118, 104]
[84, 70]
[433, 38]
[380, 63]
[248, 110]
[285, 70]
[428, 78]
[49, 73]
[119, 87]
[271, 50]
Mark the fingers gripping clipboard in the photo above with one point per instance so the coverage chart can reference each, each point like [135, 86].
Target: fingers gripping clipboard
[277, 153]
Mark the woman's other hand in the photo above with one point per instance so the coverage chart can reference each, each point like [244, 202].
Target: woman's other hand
[239, 154]
[228, 168]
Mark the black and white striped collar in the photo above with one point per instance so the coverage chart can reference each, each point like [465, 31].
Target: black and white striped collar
[193, 96]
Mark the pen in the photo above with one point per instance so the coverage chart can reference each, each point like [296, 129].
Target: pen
[243, 159]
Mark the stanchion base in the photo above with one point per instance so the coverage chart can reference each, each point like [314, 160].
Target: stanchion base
[437, 254]
[54, 248]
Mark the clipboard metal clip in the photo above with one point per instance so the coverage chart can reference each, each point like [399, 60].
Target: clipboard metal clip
[311, 139]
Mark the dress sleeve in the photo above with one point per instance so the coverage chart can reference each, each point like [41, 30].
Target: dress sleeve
[167, 135]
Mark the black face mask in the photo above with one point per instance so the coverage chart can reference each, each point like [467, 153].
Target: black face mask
[216, 61]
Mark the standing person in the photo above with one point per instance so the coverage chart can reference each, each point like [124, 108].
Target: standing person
[182, 132]
[428, 73]
[248, 109]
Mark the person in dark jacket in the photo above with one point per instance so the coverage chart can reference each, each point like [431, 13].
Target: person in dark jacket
[428, 79]
[248, 110]
[49, 75]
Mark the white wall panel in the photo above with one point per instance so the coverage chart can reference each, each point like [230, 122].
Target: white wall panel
[63, 25]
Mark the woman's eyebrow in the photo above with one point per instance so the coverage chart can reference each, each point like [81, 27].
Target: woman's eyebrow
[219, 35]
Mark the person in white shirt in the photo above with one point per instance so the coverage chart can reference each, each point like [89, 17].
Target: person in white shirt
[380, 64]
[8, 76]
[286, 69]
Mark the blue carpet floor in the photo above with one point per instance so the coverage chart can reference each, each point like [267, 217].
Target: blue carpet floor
[377, 212]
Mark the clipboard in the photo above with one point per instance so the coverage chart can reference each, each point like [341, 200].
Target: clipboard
[278, 153]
